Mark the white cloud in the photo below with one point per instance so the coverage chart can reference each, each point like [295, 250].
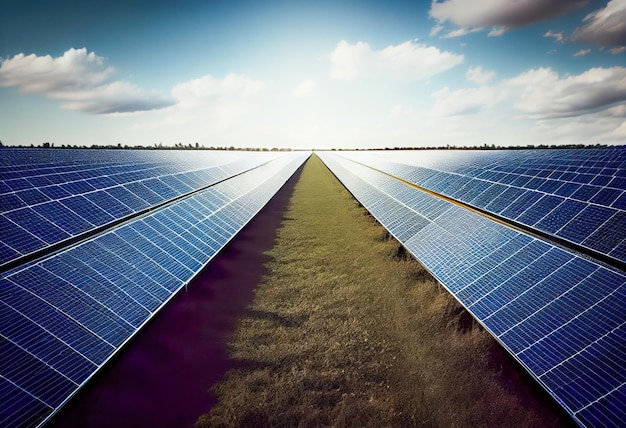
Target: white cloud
[556, 36]
[540, 94]
[604, 27]
[546, 95]
[617, 51]
[480, 76]
[347, 59]
[405, 62]
[467, 101]
[608, 126]
[208, 88]
[304, 89]
[80, 81]
[210, 109]
[498, 15]
[582, 52]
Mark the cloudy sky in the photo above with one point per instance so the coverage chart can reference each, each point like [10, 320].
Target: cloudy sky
[306, 74]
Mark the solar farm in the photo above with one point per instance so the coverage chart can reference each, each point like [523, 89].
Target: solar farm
[96, 242]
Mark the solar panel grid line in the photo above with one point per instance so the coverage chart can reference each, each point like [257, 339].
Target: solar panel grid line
[84, 285]
[39, 343]
[13, 417]
[67, 300]
[69, 317]
[522, 172]
[78, 328]
[614, 390]
[17, 235]
[164, 267]
[547, 279]
[564, 325]
[28, 171]
[577, 224]
[409, 207]
[184, 232]
[291, 168]
[37, 225]
[374, 212]
[505, 346]
[609, 370]
[582, 391]
[145, 261]
[172, 175]
[172, 236]
[97, 275]
[526, 186]
[106, 248]
[41, 381]
[5, 360]
[32, 394]
[523, 260]
[128, 198]
[334, 170]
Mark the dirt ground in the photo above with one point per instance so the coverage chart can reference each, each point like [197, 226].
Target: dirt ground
[163, 376]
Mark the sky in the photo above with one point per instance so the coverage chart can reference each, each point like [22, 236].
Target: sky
[313, 74]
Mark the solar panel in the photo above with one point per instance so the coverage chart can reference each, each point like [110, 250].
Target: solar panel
[63, 316]
[567, 194]
[54, 195]
[560, 313]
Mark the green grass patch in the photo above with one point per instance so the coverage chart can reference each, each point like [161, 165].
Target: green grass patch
[346, 331]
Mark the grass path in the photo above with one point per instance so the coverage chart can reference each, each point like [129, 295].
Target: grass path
[343, 332]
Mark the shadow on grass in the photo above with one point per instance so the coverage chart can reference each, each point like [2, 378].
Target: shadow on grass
[275, 318]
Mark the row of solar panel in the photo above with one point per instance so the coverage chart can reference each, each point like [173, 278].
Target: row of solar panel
[563, 317]
[611, 173]
[91, 177]
[588, 215]
[36, 218]
[525, 166]
[36, 175]
[64, 316]
[535, 163]
[15, 159]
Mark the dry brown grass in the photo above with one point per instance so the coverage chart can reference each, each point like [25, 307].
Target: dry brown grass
[343, 332]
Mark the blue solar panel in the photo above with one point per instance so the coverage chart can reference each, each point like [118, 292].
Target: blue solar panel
[18, 238]
[64, 315]
[37, 225]
[19, 407]
[22, 368]
[114, 208]
[561, 314]
[580, 179]
[63, 217]
[100, 187]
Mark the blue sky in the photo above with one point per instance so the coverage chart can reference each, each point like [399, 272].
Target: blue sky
[322, 74]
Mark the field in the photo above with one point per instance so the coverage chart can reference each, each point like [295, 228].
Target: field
[346, 330]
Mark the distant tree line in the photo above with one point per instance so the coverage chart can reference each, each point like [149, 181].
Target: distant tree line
[494, 147]
[490, 147]
[197, 146]
[158, 146]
